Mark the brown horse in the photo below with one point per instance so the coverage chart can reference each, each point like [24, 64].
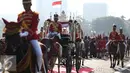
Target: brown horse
[121, 53]
[112, 49]
[21, 48]
[2, 46]
[53, 51]
[128, 48]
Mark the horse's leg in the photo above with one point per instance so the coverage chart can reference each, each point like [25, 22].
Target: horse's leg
[86, 53]
[122, 60]
[128, 50]
[118, 58]
[114, 60]
[82, 61]
[110, 60]
[58, 64]
[122, 57]
[52, 63]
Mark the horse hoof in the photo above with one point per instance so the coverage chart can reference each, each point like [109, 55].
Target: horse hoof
[122, 66]
[118, 63]
[82, 64]
[111, 66]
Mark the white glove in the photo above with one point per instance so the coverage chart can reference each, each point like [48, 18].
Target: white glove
[24, 34]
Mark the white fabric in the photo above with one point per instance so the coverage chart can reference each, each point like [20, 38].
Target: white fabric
[37, 50]
[50, 34]
[24, 34]
[107, 44]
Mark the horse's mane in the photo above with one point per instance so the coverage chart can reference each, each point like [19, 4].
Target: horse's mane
[12, 31]
[12, 27]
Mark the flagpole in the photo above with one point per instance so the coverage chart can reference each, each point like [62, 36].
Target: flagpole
[50, 15]
[61, 7]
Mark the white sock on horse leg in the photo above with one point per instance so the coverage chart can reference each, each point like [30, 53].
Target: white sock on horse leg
[37, 50]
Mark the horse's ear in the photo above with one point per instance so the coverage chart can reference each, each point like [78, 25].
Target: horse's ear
[5, 21]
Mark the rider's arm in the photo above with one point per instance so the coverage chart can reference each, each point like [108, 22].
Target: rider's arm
[35, 21]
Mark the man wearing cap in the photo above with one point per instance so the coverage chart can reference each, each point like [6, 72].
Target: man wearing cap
[122, 36]
[55, 27]
[113, 37]
[114, 34]
[30, 21]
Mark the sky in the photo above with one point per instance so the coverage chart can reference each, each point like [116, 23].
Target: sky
[115, 7]
[9, 9]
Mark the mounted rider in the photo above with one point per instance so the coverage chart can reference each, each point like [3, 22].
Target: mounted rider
[113, 37]
[122, 36]
[114, 34]
[55, 28]
[30, 21]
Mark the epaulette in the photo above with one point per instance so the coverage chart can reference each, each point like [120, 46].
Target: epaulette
[36, 13]
[20, 13]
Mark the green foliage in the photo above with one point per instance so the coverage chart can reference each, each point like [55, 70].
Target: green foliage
[104, 24]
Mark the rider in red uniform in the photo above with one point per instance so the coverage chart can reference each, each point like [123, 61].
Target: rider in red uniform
[122, 36]
[55, 27]
[113, 37]
[114, 34]
[30, 21]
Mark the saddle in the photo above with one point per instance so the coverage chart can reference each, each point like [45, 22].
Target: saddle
[113, 43]
[29, 59]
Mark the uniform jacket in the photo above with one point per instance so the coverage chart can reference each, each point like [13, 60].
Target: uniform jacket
[114, 36]
[55, 27]
[30, 21]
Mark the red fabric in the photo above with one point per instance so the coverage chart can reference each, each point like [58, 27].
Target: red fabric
[103, 44]
[56, 3]
[100, 44]
[31, 19]
[53, 25]
[77, 36]
[114, 36]
[122, 36]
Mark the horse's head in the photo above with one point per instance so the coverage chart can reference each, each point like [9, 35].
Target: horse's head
[12, 31]
[12, 27]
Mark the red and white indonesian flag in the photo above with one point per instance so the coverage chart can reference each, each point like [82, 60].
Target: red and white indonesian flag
[56, 3]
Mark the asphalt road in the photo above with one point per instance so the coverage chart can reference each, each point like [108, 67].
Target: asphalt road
[103, 66]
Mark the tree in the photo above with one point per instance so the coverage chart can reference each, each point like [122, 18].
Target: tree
[104, 24]
[123, 17]
[85, 25]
